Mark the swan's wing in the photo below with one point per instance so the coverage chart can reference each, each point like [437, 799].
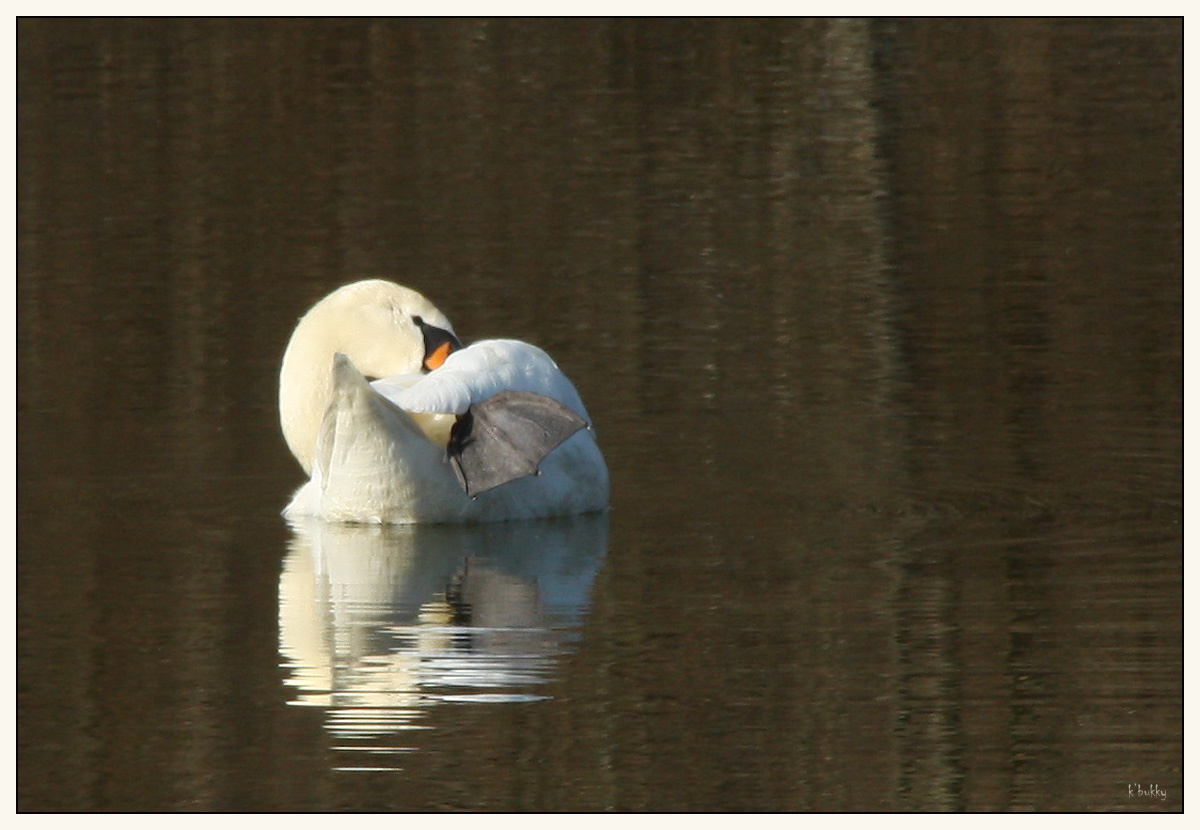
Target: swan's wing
[476, 373]
[506, 436]
[513, 406]
[348, 440]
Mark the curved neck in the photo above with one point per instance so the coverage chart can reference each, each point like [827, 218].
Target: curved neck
[305, 384]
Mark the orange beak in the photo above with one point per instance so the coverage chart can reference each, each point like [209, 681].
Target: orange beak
[439, 343]
[438, 356]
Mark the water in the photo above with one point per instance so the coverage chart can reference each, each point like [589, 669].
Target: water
[881, 327]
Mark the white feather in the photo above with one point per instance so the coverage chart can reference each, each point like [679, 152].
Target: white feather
[378, 451]
[476, 373]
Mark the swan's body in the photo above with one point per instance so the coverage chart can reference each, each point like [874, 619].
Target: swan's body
[384, 450]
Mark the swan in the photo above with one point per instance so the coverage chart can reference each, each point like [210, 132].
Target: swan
[396, 422]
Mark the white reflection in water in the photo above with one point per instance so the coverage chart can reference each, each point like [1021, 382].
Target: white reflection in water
[378, 624]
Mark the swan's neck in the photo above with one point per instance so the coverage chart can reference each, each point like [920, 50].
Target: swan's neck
[374, 323]
[305, 385]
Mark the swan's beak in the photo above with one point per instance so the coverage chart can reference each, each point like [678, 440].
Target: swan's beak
[438, 356]
[439, 343]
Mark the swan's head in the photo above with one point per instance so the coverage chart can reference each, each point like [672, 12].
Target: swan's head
[385, 329]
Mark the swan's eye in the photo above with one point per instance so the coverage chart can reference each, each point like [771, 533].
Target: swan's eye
[416, 318]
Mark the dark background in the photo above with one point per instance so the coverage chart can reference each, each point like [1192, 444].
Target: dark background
[880, 323]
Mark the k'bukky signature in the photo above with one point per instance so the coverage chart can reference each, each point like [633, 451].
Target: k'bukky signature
[1150, 791]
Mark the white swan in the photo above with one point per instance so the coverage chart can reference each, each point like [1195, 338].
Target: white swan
[396, 422]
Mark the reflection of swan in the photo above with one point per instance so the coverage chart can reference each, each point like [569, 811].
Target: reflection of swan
[378, 623]
[491, 431]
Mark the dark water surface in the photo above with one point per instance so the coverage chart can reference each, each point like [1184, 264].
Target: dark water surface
[880, 324]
